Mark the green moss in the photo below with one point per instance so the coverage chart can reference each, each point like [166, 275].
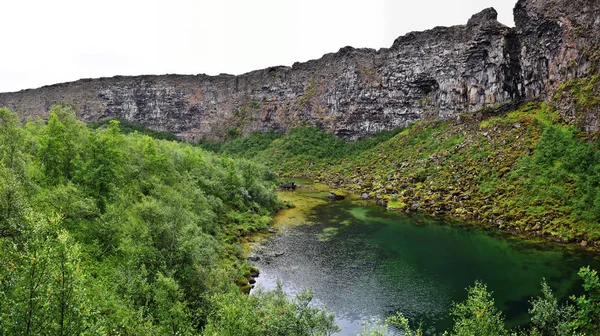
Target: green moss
[370, 75]
[309, 92]
[397, 205]
[532, 111]
[584, 93]
[327, 234]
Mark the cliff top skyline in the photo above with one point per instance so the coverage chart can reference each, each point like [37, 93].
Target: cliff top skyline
[67, 40]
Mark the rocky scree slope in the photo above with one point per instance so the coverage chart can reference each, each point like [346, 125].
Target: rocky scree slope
[435, 74]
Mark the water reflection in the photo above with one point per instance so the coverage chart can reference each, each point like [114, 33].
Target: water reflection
[364, 263]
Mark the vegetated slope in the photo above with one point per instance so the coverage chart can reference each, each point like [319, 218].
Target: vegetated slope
[525, 171]
[127, 127]
[109, 234]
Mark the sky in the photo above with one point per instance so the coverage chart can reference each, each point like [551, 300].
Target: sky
[46, 42]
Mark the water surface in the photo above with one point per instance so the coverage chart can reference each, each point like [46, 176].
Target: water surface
[364, 263]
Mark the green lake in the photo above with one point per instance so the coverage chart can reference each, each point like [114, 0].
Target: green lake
[364, 263]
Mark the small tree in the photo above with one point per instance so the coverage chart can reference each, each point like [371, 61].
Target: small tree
[477, 315]
[547, 317]
[587, 318]
[42, 284]
[170, 309]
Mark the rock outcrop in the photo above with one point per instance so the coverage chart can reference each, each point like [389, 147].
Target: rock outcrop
[354, 93]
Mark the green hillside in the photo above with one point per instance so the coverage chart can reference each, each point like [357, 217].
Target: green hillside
[526, 171]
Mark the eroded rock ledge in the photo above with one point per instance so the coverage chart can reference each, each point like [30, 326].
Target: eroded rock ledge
[354, 93]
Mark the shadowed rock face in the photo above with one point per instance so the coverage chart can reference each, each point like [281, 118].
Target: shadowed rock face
[354, 93]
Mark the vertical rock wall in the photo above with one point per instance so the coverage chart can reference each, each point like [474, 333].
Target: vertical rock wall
[353, 93]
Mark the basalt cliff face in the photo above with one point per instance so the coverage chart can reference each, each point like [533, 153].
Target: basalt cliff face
[353, 93]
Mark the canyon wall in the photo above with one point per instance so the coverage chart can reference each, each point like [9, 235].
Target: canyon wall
[354, 93]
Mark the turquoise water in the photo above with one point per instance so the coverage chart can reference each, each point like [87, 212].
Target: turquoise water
[364, 263]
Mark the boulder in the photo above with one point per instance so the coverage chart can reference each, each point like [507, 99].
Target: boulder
[253, 258]
[290, 185]
[335, 196]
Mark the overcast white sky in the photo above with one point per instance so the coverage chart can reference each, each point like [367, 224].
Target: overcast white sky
[52, 41]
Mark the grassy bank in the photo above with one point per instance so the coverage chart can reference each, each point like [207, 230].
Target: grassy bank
[525, 171]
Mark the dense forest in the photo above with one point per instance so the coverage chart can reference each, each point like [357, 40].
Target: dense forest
[103, 233]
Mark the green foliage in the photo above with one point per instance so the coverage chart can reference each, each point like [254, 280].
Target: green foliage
[311, 143]
[103, 232]
[246, 147]
[128, 127]
[301, 143]
[268, 313]
[397, 321]
[583, 93]
[587, 319]
[13, 205]
[101, 169]
[310, 91]
[43, 284]
[563, 170]
[172, 315]
[547, 317]
[12, 140]
[60, 145]
[477, 315]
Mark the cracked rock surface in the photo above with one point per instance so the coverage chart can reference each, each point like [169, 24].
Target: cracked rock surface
[435, 74]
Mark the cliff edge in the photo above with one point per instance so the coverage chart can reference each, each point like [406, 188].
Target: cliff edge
[354, 93]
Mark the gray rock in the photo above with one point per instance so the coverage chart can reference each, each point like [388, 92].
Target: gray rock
[290, 185]
[439, 73]
[335, 196]
[364, 196]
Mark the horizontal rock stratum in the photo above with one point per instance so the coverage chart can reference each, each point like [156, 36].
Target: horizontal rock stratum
[354, 93]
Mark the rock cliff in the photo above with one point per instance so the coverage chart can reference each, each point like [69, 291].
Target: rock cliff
[353, 93]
